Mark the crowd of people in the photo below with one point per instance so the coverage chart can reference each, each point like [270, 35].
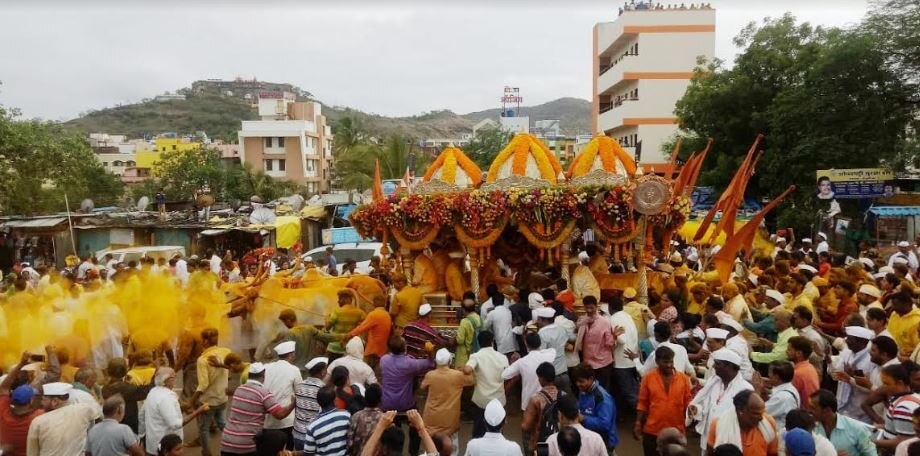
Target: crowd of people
[803, 352]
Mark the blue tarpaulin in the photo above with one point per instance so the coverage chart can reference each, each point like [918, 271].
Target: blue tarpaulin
[895, 211]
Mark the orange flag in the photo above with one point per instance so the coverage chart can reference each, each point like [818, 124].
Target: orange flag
[674, 153]
[729, 194]
[684, 176]
[377, 190]
[698, 167]
[727, 223]
[743, 239]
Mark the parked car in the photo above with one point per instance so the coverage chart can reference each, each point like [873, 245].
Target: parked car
[129, 254]
[361, 252]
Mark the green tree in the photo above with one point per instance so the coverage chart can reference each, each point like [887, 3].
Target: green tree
[824, 98]
[354, 169]
[181, 173]
[486, 145]
[40, 163]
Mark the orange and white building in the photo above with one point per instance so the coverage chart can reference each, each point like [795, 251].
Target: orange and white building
[643, 63]
[291, 141]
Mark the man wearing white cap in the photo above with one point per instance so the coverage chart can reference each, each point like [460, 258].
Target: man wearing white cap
[306, 407]
[161, 413]
[444, 385]
[421, 338]
[280, 378]
[906, 253]
[715, 398]
[868, 297]
[806, 246]
[493, 443]
[781, 245]
[738, 344]
[555, 337]
[62, 429]
[823, 246]
[252, 402]
[583, 281]
[853, 362]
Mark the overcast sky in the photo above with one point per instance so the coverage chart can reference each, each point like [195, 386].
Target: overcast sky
[59, 59]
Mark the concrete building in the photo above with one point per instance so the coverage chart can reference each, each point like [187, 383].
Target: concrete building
[643, 62]
[291, 141]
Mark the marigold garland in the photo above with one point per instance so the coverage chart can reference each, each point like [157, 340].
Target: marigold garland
[547, 240]
[418, 239]
[480, 240]
[522, 147]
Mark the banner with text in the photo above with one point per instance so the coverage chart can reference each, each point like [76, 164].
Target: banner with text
[855, 183]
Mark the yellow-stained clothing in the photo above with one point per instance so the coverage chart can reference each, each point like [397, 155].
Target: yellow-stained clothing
[456, 281]
[405, 309]
[440, 259]
[801, 300]
[584, 283]
[425, 274]
[598, 265]
[635, 311]
[904, 329]
[212, 381]
[342, 321]
[141, 375]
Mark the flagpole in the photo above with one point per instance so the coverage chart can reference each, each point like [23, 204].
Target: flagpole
[73, 240]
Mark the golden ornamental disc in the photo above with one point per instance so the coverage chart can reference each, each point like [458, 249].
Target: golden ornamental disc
[651, 195]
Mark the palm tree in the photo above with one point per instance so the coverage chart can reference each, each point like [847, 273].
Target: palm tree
[355, 167]
[349, 132]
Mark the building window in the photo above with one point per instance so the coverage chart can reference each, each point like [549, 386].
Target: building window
[268, 142]
[280, 142]
[280, 165]
[130, 163]
[268, 165]
[116, 163]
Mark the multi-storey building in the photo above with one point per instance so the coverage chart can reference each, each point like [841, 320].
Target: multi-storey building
[290, 141]
[643, 63]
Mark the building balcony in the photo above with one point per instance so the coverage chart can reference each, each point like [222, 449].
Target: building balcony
[619, 110]
[274, 151]
[276, 173]
[612, 79]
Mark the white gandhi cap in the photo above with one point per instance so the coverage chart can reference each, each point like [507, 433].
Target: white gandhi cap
[256, 368]
[495, 413]
[545, 312]
[860, 332]
[776, 295]
[870, 290]
[424, 309]
[442, 357]
[729, 356]
[319, 359]
[56, 389]
[285, 347]
[716, 333]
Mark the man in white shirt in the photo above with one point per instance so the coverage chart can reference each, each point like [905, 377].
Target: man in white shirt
[625, 379]
[215, 261]
[359, 372]
[493, 443]
[161, 415]
[62, 429]
[526, 367]
[280, 378]
[110, 263]
[487, 365]
[556, 337]
[852, 363]
[823, 246]
[905, 252]
[499, 321]
[181, 271]
[662, 333]
[715, 398]
[737, 343]
[783, 397]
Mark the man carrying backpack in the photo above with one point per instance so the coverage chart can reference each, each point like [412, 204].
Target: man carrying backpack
[540, 419]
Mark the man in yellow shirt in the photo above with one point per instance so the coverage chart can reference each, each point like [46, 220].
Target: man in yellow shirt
[404, 307]
[212, 387]
[904, 321]
[699, 293]
[799, 296]
[342, 320]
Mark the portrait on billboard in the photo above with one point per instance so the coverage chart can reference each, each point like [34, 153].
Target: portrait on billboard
[825, 189]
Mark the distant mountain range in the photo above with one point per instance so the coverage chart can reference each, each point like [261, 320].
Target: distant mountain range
[218, 113]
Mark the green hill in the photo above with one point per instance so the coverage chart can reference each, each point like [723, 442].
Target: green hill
[219, 116]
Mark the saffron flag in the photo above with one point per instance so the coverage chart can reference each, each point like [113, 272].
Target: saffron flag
[378, 183]
[735, 187]
[743, 239]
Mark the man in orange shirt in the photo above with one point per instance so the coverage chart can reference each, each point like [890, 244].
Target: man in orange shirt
[805, 377]
[749, 428]
[377, 325]
[832, 323]
[664, 395]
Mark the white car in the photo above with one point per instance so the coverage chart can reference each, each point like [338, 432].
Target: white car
[129, 254]
[361, 252]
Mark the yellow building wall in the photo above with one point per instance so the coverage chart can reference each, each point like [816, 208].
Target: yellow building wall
[146, 159]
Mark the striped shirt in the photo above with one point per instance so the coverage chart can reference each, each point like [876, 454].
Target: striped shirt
[417, 333]
[250, 403]
[327, 435]
[305, 408]
[898, 418]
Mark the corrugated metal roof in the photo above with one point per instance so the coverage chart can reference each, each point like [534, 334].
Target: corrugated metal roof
[895, 211]
[35, 223]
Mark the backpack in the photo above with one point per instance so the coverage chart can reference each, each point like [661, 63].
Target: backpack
[549, 419]
[353, 402]
[476, 328]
